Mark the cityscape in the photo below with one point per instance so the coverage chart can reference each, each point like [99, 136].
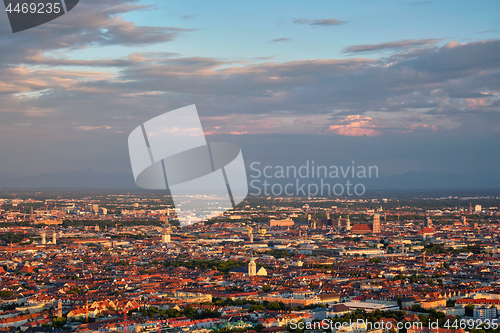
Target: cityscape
[195, 166]
[104, 261]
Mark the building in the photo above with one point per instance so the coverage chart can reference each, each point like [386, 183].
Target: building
[426, 232]
[330, 298]
[250, 234]
[337, 310]
[361, 251]
[456, 311]
[48, 222]
[59, 308]
[485, 312]
[281, 223]
[165, 237]
[478, 302]
[92, 208]
[297, 298]
[369, 307]
[252, 267]
[376, 224]
[433, 303]
[360, 229]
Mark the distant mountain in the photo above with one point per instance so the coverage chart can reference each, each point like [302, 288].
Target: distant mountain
[87, 179]
[423, 180]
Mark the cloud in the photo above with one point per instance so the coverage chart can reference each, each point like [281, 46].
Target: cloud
[355, 125]
[487, 31]
[404, 44]
[95, 23]
[188, 17]
[92, 128]
[417, 92]
[280, 40]
[323, 22]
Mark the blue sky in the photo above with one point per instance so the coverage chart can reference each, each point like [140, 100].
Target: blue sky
[244, 30]
[411, 86]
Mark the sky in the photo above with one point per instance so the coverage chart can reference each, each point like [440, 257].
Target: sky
[404, 85]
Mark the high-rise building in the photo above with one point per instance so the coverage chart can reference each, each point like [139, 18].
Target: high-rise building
[376, 223]
[92, 208]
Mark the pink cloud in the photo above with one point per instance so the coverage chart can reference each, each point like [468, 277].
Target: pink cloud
[355, 125]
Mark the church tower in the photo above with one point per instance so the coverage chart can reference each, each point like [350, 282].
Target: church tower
[376, 223]
[252, 267]
[250, 234]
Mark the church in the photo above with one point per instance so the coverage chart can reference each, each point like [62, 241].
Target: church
[360, 229]
[250, 270]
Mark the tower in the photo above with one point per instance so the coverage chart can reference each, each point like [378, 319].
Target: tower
[59, 308]
[464, 220]
[428, 222]
[348, 224]
[252, 267]
[376, 223]
[54, 238]
[44, 240]
[31, 214]
[250, 234]
[165, 237]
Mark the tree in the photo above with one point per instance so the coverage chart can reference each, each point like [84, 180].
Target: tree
[259, 327]
[469, 310]
[59, 322]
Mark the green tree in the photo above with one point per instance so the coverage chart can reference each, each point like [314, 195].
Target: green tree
[59, 322]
